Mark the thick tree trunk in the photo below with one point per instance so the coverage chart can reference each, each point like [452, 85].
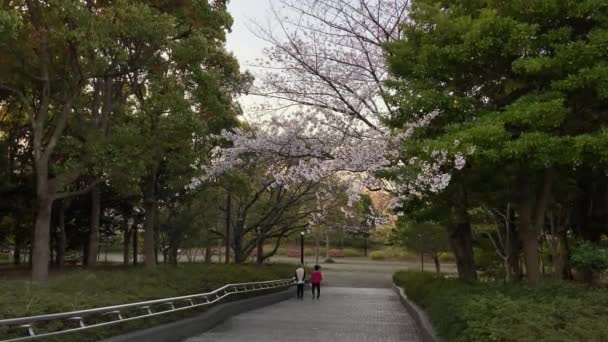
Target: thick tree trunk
[529, 230]
[237, 231]
[461, 239]
[562, 264]
[461, 242]
[529, 242]
[149, 223]
[93, 249]
[41, 252]
[62, 237]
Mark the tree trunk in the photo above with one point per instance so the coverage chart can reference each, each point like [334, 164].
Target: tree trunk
[507, 267]
[208, 253]
[41, 252]
[158, 244]
[514, 256]
[126, 241]
[135, 243]
[172, 251]
[461, 242]
[227, 226]
[94, 230]
[529, 242]
[149, 222]
[529, 230]
[237, 231]
[219, 251]
[62, 237]
[326, 245]
[437, 264]
[317, 250]
[17, 253]
[461, 239]
[562, 264]
[260, 251]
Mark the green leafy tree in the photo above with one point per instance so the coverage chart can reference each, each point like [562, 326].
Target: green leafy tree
[524, 83]
[72, 66]
[424, 238]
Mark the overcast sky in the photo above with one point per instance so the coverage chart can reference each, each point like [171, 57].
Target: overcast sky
[243, 43]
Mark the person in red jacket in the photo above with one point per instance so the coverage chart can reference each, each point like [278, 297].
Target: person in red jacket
[315, 280]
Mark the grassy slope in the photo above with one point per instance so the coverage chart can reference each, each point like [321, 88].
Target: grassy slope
[89, 289]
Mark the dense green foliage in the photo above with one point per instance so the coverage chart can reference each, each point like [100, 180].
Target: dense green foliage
[497, 312]
[87, 289]
[521, 90]
[589, 257]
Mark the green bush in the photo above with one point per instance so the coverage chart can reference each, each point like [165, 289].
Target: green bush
[352, 252]
[588, 257]
[497, 312]
[89, 289]
[447, 257]
[377, 255]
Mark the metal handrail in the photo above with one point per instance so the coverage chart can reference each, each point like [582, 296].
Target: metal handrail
[118, 311]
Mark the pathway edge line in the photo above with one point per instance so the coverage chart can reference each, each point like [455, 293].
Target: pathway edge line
[191, 327]
[422, 321]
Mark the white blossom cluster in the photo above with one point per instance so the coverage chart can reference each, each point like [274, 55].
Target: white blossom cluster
[309, 147]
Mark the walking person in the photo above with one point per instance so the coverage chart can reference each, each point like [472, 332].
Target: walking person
[315, 279]
[300, 279]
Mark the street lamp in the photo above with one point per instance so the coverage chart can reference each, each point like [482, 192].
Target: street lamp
[302, 248]
[421, 252]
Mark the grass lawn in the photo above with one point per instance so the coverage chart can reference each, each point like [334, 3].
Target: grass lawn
[556, 311]
[89, 289]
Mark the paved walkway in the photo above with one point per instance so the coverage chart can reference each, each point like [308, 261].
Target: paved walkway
[342, 314]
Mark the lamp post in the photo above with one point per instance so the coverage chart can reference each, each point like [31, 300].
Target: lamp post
[421, 252]
[302, 248]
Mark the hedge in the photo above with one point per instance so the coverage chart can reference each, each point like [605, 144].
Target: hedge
[556, 311]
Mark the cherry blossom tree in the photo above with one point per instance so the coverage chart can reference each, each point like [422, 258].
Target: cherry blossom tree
[323, 79]
[328, 54]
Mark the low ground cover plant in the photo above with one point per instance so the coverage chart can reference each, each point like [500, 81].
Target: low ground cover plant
[556, 311]
[90, 289]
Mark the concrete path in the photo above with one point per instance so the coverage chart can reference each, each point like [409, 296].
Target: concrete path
[342, 314]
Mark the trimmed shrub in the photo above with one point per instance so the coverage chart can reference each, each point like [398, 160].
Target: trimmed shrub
[336, 253]
[352, 252]
[377, 255]
[497, 312]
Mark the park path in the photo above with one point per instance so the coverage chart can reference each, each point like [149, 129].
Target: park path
[343, 314]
